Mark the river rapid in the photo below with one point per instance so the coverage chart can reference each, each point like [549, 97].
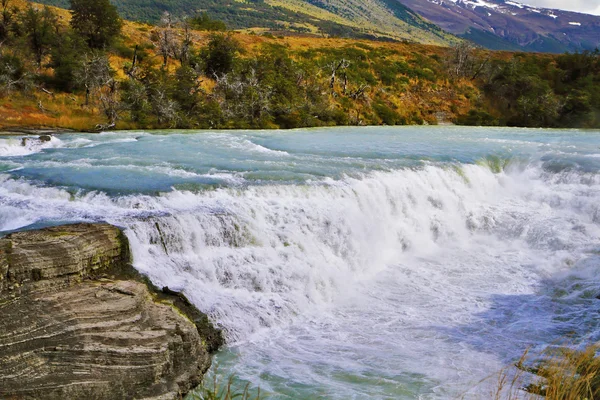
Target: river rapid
[345, 263]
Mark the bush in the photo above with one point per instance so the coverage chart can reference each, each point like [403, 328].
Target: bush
[477, 118]
[203, 22]
[387, 115]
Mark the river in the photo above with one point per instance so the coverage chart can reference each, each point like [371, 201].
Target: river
[345, 263]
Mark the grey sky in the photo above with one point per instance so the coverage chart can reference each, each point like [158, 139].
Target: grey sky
[585, 6]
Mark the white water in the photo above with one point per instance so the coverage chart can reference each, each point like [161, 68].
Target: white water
[14, 146]
[412, 282]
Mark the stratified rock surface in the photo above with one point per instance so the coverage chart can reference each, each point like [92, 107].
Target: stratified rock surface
[76, 323]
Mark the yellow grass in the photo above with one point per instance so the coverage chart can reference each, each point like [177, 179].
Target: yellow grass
[39, 110]
[557, 374]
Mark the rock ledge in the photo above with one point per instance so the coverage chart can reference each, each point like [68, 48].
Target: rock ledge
[78, 322]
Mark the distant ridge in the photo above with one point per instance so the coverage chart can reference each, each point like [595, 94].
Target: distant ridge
[510, 25]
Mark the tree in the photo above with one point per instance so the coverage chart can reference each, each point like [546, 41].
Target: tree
[13, 74]
[135, 99]
[173, 42]
[465, 62]
[65, 60]
[96, 20]
[110, 104]
[93, 72]
[219, 55]
[164, 38]
[203, 22]
[244, 98]
[41, 29]
[334, 67]
[185, 46]
[186, 89]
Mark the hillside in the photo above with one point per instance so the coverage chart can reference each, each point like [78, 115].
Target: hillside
[150, 77]
[371, 19]
[493, 24]
[509, 25]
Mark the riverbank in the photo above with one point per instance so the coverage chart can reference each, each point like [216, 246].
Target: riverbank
[32, 131]
[205, 80]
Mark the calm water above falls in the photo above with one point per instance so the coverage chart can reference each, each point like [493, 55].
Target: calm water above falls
[350, 262]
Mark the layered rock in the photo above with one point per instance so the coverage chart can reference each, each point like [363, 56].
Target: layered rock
[77, 321]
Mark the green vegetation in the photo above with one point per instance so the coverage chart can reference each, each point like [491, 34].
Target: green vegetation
[216, 391]
[170, 76]
[95, 20]
[531, 90]
[203, 22]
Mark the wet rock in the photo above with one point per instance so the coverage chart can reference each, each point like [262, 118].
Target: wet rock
[76, 321]
[45, 138]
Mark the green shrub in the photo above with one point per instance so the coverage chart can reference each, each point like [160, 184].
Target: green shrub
[477, 118]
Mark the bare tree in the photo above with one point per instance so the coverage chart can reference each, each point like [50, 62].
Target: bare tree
[465, 62]
[183, 48]
[334, 67]
[97, 77]
[360, 92]
[243, 97]
[109, 103]
[12, 74]
[132, 70]
[93, 73]
[164, 108]
[166, 40]
[9, 79]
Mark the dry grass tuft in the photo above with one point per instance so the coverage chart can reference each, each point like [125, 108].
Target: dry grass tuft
[557, 374]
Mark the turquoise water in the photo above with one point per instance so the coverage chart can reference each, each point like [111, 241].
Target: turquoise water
[349, 262]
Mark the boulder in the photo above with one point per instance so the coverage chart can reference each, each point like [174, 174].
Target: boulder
[78, 322]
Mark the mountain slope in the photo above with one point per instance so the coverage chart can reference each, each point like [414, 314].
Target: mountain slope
[508, 25]
[382, 19]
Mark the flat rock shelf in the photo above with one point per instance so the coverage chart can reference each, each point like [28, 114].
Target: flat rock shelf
[78, 322]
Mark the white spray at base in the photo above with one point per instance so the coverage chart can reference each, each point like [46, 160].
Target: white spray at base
[259, 257]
